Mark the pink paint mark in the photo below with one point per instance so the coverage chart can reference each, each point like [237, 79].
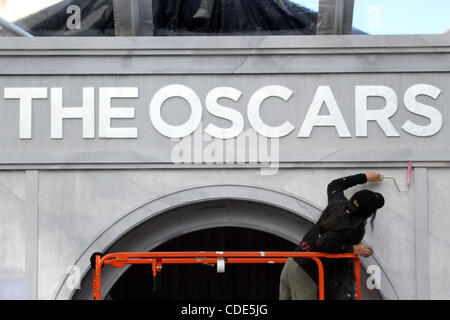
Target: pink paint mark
[409, 171]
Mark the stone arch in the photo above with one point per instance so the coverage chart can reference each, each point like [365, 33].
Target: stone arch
[165, 217]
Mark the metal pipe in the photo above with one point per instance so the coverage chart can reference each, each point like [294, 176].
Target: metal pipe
[157, 259]
[11, 27]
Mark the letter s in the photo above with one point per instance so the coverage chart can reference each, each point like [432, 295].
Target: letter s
[223, 112]
[429, 112]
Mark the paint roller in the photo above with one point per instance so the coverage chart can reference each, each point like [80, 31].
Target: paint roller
[395, 181]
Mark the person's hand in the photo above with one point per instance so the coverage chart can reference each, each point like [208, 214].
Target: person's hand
[373, 176]
[362, 250]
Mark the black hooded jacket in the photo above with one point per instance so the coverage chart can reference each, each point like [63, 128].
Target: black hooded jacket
[345, 231]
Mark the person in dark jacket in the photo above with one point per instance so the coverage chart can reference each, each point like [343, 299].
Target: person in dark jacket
[340, 229]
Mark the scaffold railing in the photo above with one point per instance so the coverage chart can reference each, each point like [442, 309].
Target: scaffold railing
[218, 258]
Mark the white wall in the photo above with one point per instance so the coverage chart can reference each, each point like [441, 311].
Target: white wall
[76, 206]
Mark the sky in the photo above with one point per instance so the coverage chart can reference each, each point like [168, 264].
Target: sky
[370, 16]
[397, 16]
[12, 10]
[402, 16]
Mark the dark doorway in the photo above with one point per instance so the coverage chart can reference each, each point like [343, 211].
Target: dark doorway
[240, 281]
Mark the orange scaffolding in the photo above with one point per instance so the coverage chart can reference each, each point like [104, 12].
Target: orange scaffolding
[158, 259]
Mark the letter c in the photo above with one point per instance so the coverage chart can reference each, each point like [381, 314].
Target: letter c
[254, 116]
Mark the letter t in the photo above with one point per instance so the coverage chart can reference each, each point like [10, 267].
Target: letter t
[25, 96]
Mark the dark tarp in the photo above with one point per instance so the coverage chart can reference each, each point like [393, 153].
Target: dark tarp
[197, 17]
[180, 18]
[97, 19]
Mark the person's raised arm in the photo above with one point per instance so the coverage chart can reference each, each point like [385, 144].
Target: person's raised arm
[335, 189]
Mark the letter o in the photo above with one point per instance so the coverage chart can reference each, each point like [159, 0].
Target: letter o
[170, 91]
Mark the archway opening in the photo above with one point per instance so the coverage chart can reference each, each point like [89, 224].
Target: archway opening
[239, 281]
[221, 224]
